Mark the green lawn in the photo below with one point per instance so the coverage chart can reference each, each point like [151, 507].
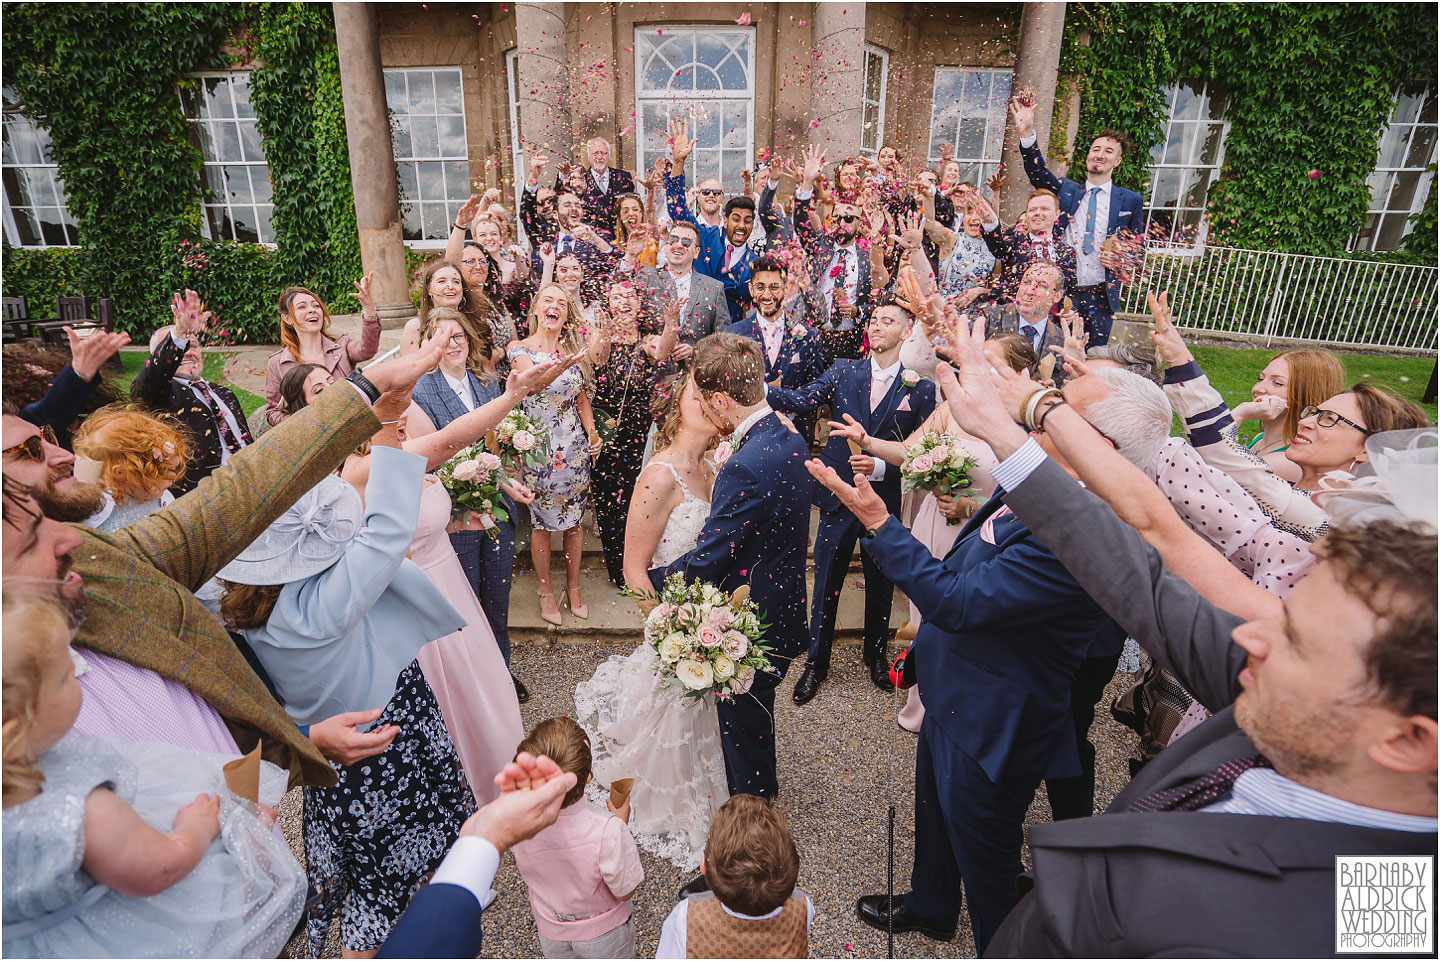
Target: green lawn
[1233, 373]
[131, 361]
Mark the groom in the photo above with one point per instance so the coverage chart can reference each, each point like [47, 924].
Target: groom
[757, 534]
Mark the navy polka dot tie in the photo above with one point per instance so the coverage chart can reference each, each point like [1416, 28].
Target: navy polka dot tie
[1200, 793]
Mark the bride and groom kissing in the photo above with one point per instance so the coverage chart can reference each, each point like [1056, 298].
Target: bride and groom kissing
[753, 531]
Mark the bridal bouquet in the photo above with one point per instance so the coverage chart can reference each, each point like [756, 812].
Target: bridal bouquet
[473, 478]
[521, 439]
[707, 643]
[937, 463]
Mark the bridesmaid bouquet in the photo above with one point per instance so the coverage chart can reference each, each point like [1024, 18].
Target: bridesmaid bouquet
[473, 478]
[520, 439]
[707, 643]
[937, 463]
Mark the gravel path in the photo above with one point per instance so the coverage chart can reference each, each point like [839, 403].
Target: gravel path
[843, 760]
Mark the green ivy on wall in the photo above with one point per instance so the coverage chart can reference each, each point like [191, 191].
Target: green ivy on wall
[104, 79]
[1310, 87]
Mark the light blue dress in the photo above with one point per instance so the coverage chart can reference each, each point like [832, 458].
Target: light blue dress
[562, 487]
[242, 900]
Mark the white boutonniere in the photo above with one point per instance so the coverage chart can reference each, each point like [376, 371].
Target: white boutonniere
[723, 452]
[798, 330]
[909, 378]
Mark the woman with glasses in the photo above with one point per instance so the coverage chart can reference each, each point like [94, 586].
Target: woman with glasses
[1291, 382]
[1329, 436]
[500, 274]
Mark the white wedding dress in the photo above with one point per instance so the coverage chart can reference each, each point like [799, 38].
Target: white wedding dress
[647, 730]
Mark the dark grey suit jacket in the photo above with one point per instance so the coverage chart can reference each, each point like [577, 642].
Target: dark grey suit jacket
[706, 310]
[1177, 884]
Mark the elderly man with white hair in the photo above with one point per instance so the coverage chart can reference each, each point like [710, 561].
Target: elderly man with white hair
[1006, 633]
[173, 380]
[603, 186]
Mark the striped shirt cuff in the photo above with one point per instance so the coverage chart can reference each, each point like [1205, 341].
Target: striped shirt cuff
[1180, 373]
[1011, 472]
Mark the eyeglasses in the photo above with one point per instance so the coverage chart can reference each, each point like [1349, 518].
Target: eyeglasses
[459, 340]
[1328, 418]
[470, 261]
[710, 192]
[681, 240]
[32, 445]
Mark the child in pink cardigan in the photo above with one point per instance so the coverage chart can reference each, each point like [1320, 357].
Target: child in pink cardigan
[583, 869]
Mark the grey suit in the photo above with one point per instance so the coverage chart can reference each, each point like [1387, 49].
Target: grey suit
[1131, 884]
[706, 310]
[1007, 320]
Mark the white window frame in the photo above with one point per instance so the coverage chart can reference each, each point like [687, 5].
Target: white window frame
[688, 102]
[14, 115]
[995, 119]
[1392, 176]
[213, 202]
[873, 52]
[452, 204]
[1189, 166]
[512, 91]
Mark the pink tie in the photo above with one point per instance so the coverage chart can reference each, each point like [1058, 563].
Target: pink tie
[879, 384]
[729, 253]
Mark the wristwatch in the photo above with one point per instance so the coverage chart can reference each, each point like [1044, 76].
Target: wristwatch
[870, 532]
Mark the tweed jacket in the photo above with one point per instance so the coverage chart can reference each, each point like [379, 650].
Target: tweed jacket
[1007, 320]
[156, 387]
[140, 580]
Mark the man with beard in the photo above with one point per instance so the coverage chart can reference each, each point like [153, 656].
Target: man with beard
[725, 252]
[792, 350]
[1323, 741]
[157, 664]
[874, 393]
[1098, 210]
[840, 268]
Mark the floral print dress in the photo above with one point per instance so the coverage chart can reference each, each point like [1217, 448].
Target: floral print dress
[563, 485]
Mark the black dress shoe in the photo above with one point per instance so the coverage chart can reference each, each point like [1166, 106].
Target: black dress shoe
[697, 886]
[873, 909]
[522, 693]
[880, 675]
[808, 685]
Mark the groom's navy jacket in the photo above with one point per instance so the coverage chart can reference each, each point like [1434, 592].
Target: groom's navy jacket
[757, 534]
[441, 921]
[845, 386]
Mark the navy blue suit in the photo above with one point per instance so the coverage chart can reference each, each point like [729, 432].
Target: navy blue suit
[797, 363]
[756, 534]
[1005, 628]
[846, 387]
[489, 562]
[710, 261]
[441, 921]
[1127, 212]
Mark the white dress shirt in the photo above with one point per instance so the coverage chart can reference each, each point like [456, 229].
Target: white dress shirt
[881, 380]
[772, 332]
[744, 425]
[851, 278]
[602, 178]
[682, 283]
[461, 389]
[1088, 269]
[471, 864]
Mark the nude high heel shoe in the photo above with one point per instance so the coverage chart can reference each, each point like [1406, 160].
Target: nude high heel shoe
[549, 618]
[580, 610]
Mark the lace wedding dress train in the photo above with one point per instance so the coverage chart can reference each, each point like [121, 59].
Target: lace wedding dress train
[642, 728]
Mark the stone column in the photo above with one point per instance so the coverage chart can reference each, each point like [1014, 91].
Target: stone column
[372, 160]
[1042, 29]
[837, 78]
[544, 82]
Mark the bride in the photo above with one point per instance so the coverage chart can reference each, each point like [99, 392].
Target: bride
[638, 726]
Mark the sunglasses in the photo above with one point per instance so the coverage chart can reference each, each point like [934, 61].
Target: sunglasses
[1328, 418]
[847, 218]
[681, 240]
[32, 445]
[711, 192]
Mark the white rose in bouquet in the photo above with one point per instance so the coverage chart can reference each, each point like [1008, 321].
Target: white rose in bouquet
[748, 623]
[723, 667]
[488, 460]
[523, 440]
[465, 470]
[958, 457]
[695, 675]
[734, 644]
[672, 647]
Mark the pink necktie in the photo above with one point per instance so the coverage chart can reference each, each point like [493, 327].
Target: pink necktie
[879, 384]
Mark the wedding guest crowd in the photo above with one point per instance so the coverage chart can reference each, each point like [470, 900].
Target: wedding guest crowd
[686, 374]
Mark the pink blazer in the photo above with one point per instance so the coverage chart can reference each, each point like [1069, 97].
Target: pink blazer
[341, 356]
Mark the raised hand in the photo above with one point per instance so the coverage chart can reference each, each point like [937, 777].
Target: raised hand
[88, 354]
[814, 159]
[635, 244]
[910, 295]
[537, 167]
[547, 254]
[1022, 113]
[531, 792]
[365, 294]
[681, 143]
[492, 196]
[973, 396]
[910, 236]
[1074, 327]
[861, 499]
[796, 175]
[468, 211]
[1264, 407]
[189, 314]
[851, 430]
[1168, 342]
[747, 181]
[947, 150]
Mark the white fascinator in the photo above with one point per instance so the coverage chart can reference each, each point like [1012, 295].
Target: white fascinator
[1400, 483]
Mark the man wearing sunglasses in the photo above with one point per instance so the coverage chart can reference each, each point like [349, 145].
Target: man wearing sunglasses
[839, 268]
[705, 308]
[33, 456]
[725, 252]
